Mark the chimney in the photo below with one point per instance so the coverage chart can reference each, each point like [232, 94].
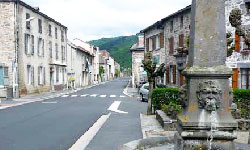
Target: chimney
[141, 41]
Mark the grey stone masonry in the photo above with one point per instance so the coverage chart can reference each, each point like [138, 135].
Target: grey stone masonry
[207, 39]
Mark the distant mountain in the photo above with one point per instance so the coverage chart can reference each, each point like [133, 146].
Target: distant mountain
[118, 47]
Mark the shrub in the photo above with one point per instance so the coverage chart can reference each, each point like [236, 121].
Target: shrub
[172, 109]
[165, 96]
[242, 99]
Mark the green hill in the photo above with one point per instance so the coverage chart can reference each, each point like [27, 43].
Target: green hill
[118, 48]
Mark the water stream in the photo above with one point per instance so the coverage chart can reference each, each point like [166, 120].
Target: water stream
[214, 127]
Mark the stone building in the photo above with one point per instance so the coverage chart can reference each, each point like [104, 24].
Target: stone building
[103, 64]
[239, 61]
[33, 50]
[117, 69]
[163, 38]
[137, 51]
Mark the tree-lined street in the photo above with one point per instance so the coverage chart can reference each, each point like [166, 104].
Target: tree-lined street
[59, 122]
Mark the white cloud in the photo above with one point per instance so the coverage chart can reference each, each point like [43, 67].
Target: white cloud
[94, 19]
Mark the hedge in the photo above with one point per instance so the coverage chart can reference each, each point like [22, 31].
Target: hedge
[242, 99]
[163, 96]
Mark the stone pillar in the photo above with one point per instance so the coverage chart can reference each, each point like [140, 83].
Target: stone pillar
[207, 79]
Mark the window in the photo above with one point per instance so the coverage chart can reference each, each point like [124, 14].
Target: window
[57, 74]
[171, 26]
[56, 32]
[50, 30]
[40, 48]
[62, 35]
[150, 44]
[57, 52]
[157, 42]
[4, 75]
[171, 46]
[63, 53]
[41, 75]
[247, 4]
[181, 22]
[63, 75]
[30, 75]
[181, 40]
[29, 44]
[27, 21]
[245, 78]
[50, 49]
[40, 29]
[158, 60]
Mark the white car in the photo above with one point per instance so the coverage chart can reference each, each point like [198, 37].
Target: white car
[144, 92]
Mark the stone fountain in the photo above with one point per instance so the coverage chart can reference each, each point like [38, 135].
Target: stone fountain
[207, 116]
[206, 123]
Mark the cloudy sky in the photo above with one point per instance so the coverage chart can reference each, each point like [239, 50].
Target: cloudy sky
[94, 19]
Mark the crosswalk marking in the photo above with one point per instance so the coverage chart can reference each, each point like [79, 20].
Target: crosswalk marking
[84, 95]
[103, 96]
[65, 96]
[93, 95]
[90, 95]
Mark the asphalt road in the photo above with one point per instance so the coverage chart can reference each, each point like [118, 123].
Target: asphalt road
[57, 123]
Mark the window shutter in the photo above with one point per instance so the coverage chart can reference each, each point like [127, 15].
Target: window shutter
[237, 42]
[171, 45]
[181, 40]
[174, 74]
[32, 75]
[235, 78]
[154, 42]
[26, 43]
[38, 47]
[162, 40]
[32, 45]
[167, 74]
[147, 44]
[39, 76]
[44, 76]
[43, 47]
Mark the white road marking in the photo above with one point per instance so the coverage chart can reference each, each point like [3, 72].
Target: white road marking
[103, 96]
[114, 107]
[84, 95]
[49, 102]
[84, 140]
[122, 96]
[65, 96]
[73, 95]
[93, 95]
[112, 95]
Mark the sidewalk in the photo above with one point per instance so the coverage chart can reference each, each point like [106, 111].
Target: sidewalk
[4, 104]
[130, 91]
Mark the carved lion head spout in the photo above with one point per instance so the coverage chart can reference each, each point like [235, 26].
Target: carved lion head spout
[209, 95]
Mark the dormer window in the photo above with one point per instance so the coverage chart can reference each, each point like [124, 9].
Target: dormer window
[247, 4]
[27, 21]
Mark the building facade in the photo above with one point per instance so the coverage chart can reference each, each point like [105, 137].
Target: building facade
[239, 61]
[33, 50]
[137, 51]
[163, 38]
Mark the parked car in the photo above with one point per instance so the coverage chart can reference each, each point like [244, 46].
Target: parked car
[144, 92]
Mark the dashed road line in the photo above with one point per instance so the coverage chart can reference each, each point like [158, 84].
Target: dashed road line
[84, 95]
[73, 95]
[93, 95]
[112, 96]
[122, 96]
[103, 95]
[65, 96]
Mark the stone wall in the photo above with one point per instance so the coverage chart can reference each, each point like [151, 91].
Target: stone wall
[7, 39]
[137, 57]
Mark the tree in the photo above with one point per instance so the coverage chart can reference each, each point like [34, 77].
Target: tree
[150, 67]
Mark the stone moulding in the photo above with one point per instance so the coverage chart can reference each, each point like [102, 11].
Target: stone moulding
[214, 71]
